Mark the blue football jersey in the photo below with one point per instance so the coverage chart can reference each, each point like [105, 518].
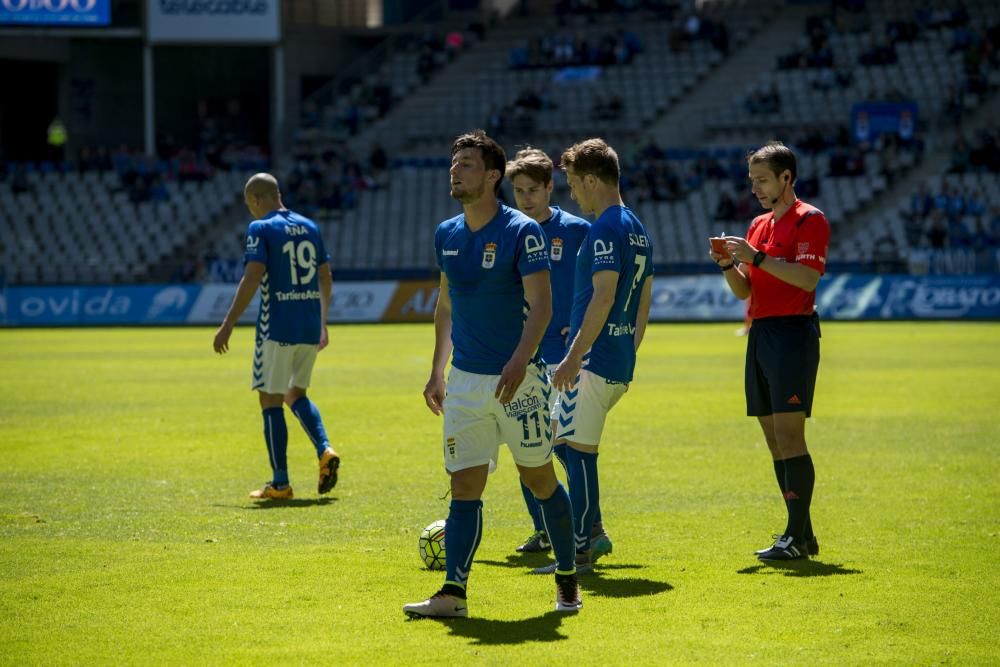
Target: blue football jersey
[564, 233]
[617, 241]
[291, 248]
[484, 271]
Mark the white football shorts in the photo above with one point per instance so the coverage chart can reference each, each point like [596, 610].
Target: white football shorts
[476, 423]
[584, 408]
[277, 367]
[549, 370]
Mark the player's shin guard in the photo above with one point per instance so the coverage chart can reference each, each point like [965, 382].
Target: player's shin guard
[557, 515]
[800, 477]
[585, 492]
[276, 437]
[462, 532]
[308, 415]
[533, 509]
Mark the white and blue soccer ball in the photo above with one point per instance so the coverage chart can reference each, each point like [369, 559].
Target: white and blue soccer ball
[431, 545]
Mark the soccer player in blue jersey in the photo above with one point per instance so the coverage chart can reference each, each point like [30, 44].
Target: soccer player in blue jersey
[613, 292]
[530, 174]
[286, 258]
[493, 307]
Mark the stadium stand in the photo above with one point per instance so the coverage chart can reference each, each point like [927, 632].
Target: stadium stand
[79, 227]
[368, 159]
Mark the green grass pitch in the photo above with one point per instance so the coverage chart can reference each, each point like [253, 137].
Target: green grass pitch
[126, 534]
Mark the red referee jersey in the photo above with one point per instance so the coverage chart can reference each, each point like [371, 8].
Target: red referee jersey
[801, 235]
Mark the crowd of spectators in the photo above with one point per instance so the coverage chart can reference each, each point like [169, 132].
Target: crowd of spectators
[980, 153]
[565, 49]
[608, 107]
[977, 46]
[952, 218]
[366, 103]
[956, 217]
[145, 178]
[320, 184]
[762, 100]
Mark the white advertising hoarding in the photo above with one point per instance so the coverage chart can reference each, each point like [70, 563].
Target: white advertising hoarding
[214, 21]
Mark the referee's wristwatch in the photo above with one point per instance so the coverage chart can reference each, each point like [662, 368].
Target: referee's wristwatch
[758, 259]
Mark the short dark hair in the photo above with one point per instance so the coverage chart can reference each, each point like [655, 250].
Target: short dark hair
[493, 155]
[533, 163]
[777, 156]
[594, 157]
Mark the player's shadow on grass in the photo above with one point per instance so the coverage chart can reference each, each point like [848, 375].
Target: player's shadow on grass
[594, 583]
[528, 562]
[484, 631]
[799, 568]
[293, 502]
[627, 587]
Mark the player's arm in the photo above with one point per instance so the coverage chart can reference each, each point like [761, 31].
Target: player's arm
[538, 294]
[605, 284]
[801, 276]
[435, 388]
[642, 316]
[249, 283]
[325, 291]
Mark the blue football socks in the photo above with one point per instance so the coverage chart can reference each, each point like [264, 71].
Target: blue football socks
[308, 415]
[529, 498]
[585, 492]
[533, 509]
[276, 437]
[557, 514]
[463, 531]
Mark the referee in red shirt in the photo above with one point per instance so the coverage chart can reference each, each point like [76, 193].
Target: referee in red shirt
[777, 267]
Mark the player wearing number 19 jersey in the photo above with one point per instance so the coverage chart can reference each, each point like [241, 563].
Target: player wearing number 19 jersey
[613, 291]
[286, 258]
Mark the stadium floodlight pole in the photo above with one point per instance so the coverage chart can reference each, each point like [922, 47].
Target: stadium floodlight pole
[278, 127]
[148, 116]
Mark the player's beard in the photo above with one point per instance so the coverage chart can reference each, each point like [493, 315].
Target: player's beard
[468, 196]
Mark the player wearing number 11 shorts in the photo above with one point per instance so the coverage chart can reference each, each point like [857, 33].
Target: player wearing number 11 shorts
[285, 257]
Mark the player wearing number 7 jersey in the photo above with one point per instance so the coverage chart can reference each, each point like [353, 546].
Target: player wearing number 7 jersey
[286, 258]
[613, 291]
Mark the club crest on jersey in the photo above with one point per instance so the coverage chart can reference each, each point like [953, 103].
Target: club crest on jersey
[803, 247]
[489, 255]
[557, 248]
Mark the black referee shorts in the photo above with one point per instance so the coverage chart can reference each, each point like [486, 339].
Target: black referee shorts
[782, 359]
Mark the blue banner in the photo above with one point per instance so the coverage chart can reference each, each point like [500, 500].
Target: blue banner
[89, 305]
[894, 297]
[55, 12]
[706, 298]
[871, 119]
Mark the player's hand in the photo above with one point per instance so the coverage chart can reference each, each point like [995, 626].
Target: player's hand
[722, 259]
[434, 392]
[511, 378]
[740, 249]
[324, 337]
[566, 373]
[221, 342]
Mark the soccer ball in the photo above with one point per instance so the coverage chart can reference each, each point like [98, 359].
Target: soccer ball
[431, 545]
